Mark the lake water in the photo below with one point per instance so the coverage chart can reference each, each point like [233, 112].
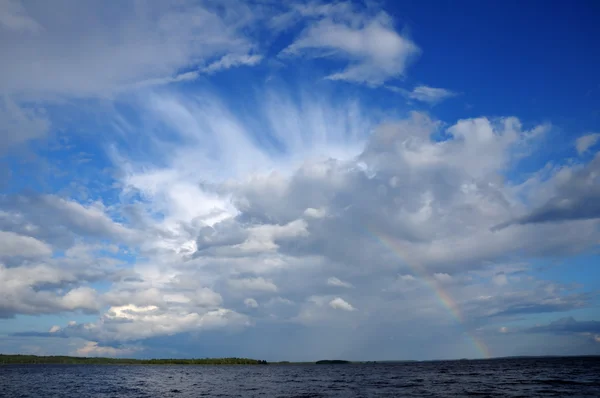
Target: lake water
[566, 377]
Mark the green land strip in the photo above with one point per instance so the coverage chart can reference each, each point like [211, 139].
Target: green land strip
[67, 360]
[34, 359]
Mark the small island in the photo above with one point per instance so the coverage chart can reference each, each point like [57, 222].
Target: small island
[332, 362]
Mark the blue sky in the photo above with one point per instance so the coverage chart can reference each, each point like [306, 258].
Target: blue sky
[299, 180]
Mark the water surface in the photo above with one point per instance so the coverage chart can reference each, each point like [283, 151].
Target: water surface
[572, 377]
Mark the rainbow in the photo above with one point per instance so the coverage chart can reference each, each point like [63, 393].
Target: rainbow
[445, 299]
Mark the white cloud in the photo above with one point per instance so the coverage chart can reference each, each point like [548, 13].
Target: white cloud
[24, 290]
[406, 278]
[258, 284]
[315, 213]
[430, 95]
[333, 281]
[208, 242]
[13, 16]
[54, 329]
[81, 297]
[500, 279]
[340, 304]
[131, 322]
[48, 215]
[93, 349]
[584, 143]
[374, 50]
[442, 277]
[216, 205]
[92, 48]
[233, 60]
[12, 244]
[250, 303]
[19, 123]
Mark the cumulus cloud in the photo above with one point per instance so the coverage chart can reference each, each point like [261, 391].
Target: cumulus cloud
[576, 196]
[93, 349]
[54, 218]
[405, 205]
[12, 244]
[130, 323]
[81, 297]
[54, 329]
[340, 304]
[214, 207]
[58, 283]
[32, 289]
[250, 303]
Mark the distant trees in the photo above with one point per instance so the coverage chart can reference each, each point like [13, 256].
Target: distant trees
[332, 362]
[34, 359]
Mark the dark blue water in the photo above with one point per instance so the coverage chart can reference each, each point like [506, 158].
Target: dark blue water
[566, 377]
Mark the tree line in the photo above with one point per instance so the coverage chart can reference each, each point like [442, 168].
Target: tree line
[34, 359]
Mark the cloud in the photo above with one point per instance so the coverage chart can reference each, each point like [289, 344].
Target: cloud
[90, 49]
[92, 349]
[259, 284]
[430, 95]
[81, 297]
[54, 218]
[14, 17]
[208, 203]
[54, 329]
[28, 289]
[568, 325]
[12, 244]
[208, 239]
[231, 60]
[442, 277]
[20, 124]
[500, 279]
[584, 143]
[130, 323]
[250, 303]
[576, 196]
[375, 52]
[333, 281]
[51, 284]
[340, 304]
[511, 303]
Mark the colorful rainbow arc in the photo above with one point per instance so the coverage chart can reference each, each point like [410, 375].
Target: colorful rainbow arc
[445, 299]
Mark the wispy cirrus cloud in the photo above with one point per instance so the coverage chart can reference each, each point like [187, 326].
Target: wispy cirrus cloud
[585, 142]
[429, 95]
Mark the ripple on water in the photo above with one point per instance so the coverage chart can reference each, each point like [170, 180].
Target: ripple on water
[572, 377]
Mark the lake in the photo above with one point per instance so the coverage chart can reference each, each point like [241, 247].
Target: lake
[572, 377]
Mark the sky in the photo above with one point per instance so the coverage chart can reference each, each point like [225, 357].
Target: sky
[299, 180]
